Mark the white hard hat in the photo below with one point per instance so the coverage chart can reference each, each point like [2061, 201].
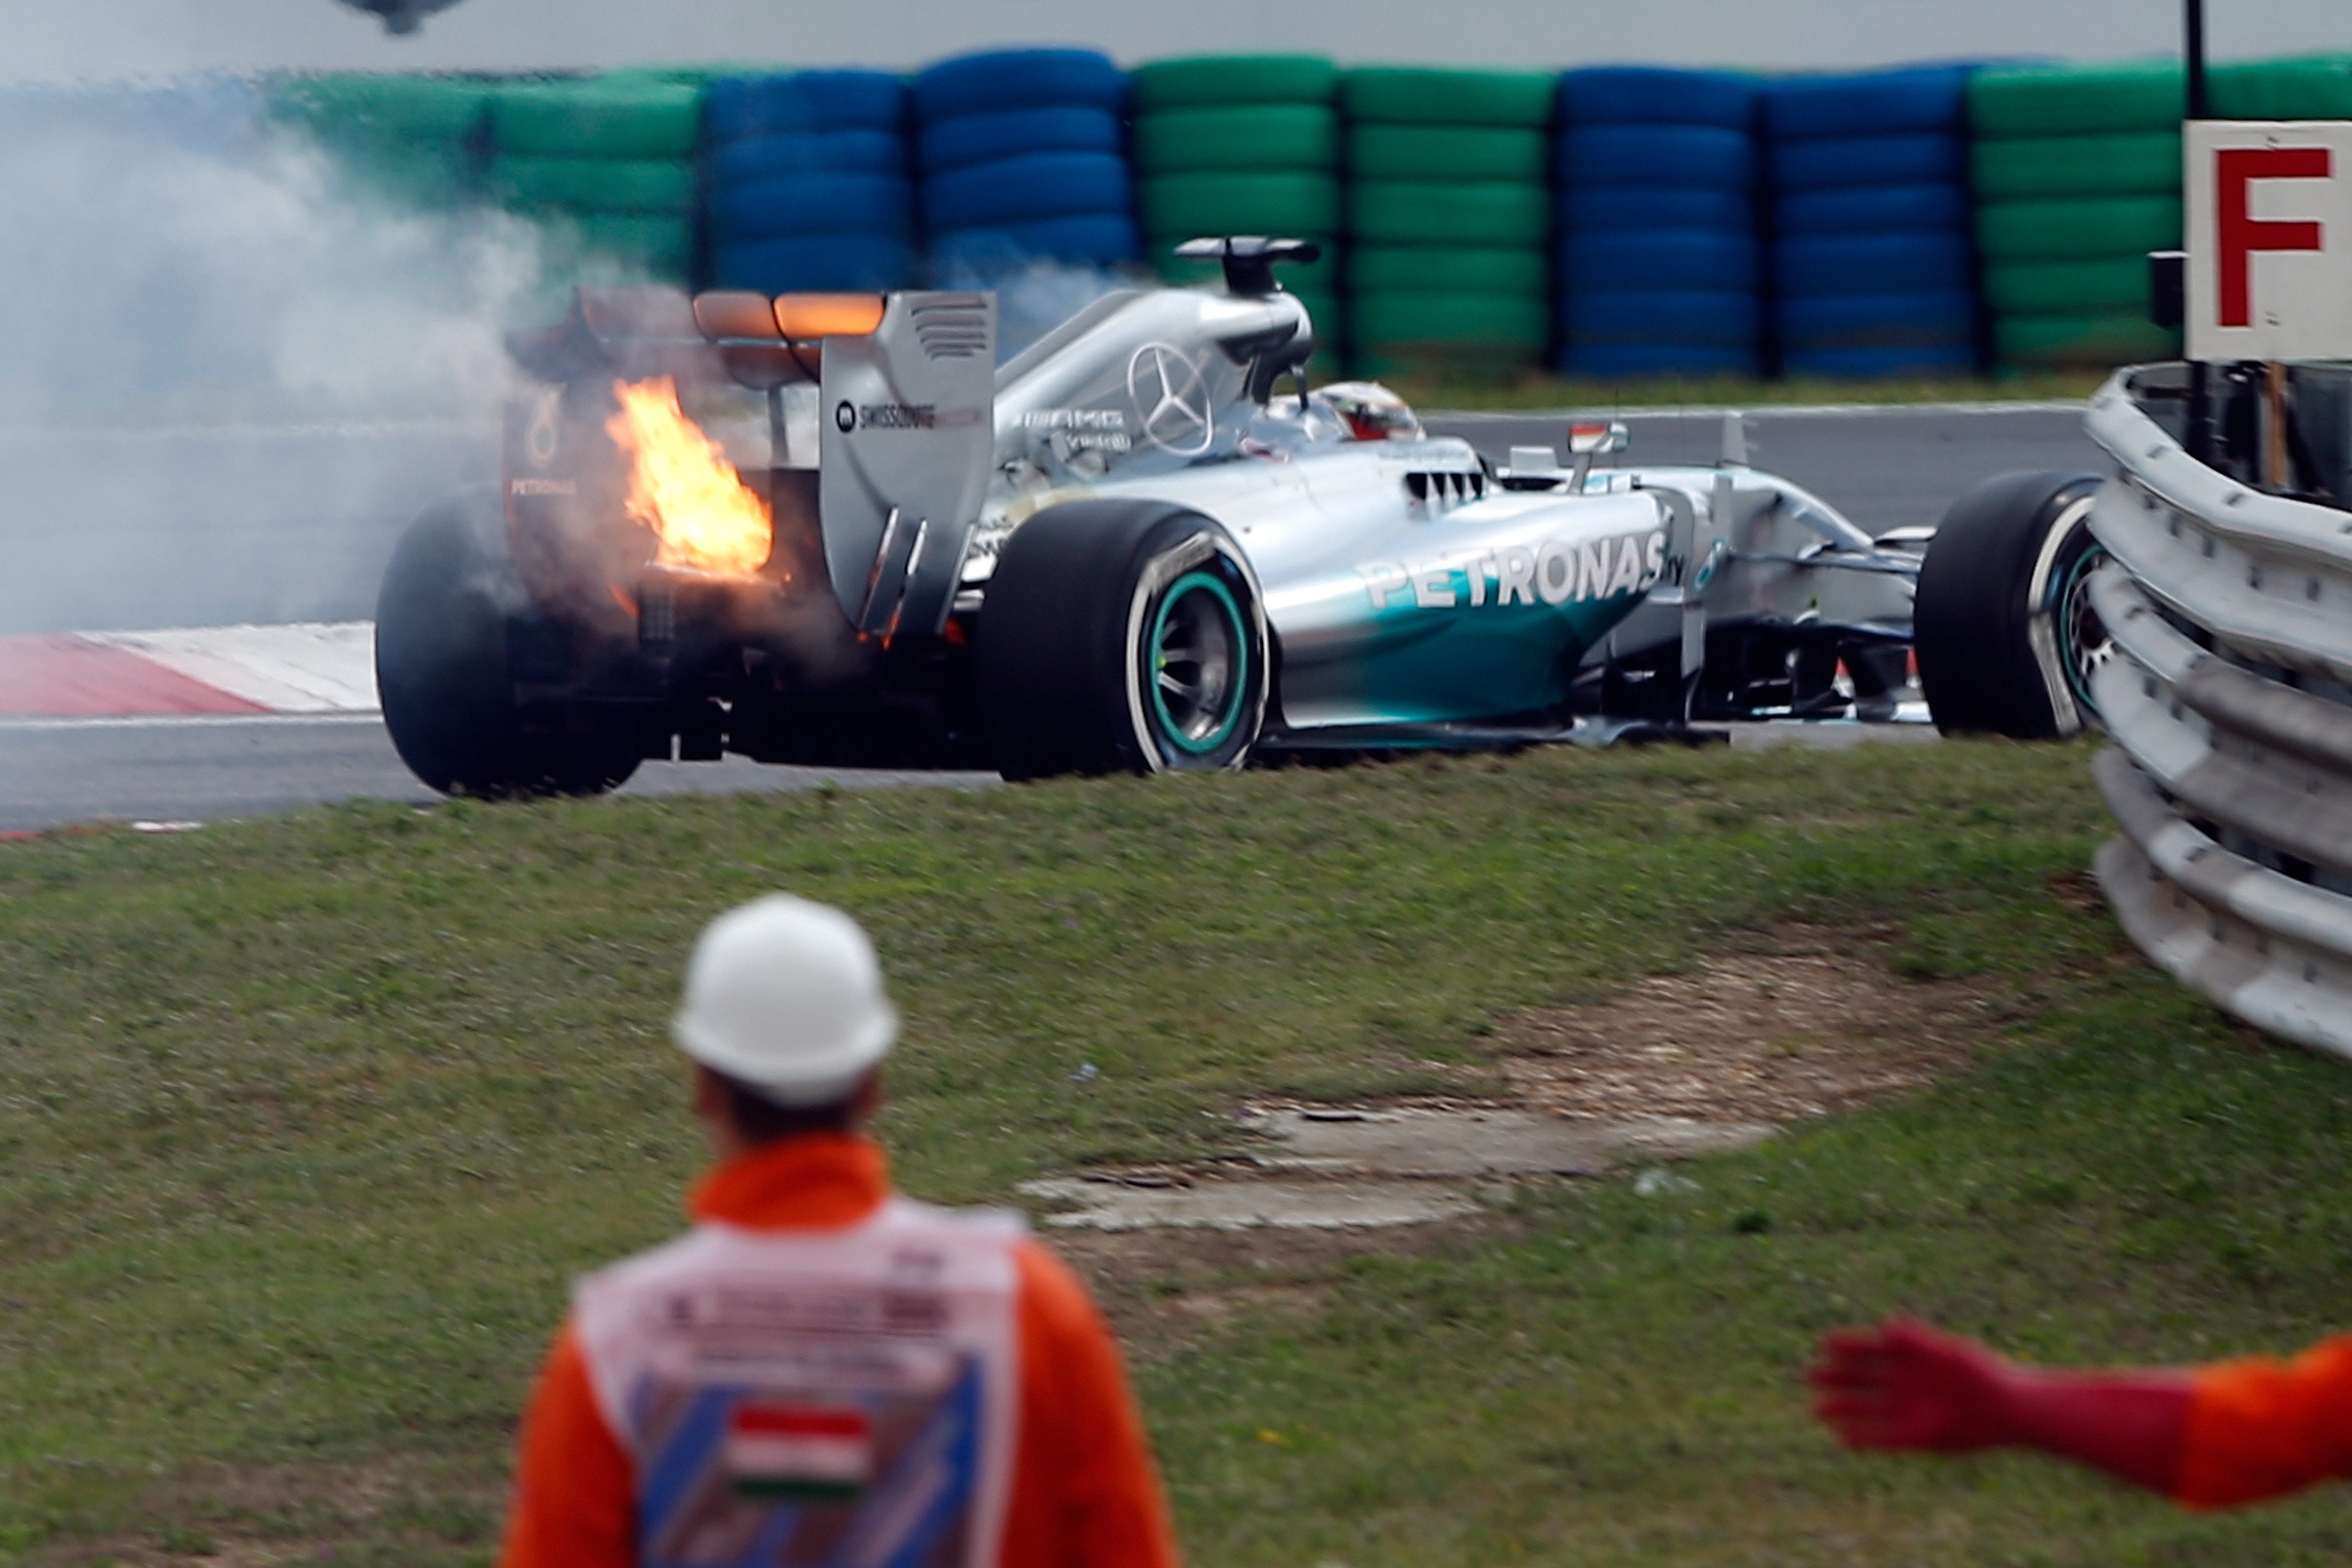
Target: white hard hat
[785, 996]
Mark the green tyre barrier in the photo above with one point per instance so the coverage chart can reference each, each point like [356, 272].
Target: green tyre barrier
[1448, 152]
[1190, 206]
[2078, 228]
[1449, 363]
[1451, 268]
[594, 184]
[1402, 320]
[434, 179]
[598, 120]
[1330, 317]
[1252, 137]
[2059, 101]
[2317, 88]
[2116, 286]
[1411, 95]
[1320, 276]
[2140, 161]
[396, 108]
[661, 247]
[2094, 341]
[1493, 212]
[1197, 79]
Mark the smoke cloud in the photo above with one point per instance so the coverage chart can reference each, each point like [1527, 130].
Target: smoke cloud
[228, 375]
[1034, 295]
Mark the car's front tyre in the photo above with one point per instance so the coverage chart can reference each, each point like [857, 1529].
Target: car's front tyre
[2003, 624]
[1121, 637]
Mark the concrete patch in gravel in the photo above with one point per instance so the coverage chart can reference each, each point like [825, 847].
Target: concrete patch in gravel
[1339, 1168]
[1794, 1024]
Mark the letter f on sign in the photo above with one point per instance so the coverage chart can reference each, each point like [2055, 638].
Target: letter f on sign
[2235, 168]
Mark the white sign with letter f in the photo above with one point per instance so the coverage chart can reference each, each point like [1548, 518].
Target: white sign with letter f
[2269, 221]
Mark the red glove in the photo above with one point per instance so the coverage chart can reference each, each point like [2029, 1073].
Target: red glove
[1906, 1387]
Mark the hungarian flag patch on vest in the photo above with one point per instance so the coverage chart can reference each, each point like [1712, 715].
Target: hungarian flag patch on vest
[799, 1451]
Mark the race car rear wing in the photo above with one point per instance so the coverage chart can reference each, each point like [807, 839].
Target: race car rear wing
[905, 413]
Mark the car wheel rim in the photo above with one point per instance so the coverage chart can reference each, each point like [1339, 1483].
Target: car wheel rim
[1197, 658]
[2084, 641]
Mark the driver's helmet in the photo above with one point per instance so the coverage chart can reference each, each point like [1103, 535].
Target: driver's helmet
[1370, 411]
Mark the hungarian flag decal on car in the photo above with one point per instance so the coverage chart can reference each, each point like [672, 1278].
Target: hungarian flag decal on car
[798, 1451]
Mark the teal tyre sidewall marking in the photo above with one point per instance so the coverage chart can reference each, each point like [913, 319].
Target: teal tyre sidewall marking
[2062, 604]
[1236, 696]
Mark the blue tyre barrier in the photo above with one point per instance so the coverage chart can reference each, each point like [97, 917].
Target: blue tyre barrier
[1659, 257]
[1892, 319]
[1710, 318]
[1868, 364]
[1039, 185]
[813, 262]
[1025, 78]
[1864, 209]
[813, 204]
[1584, 209]
[1869, 264]
[736, 109]
[1707, 155]
[1615, 259]
[808, 152]
[968, 139]
[805, 181]
[1912, 158]
[1918, 98]
[1873, 265]
[1617, 362]
[1647, 95]
[1098, 239]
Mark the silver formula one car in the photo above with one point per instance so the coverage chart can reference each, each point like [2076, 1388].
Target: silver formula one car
[833, 529]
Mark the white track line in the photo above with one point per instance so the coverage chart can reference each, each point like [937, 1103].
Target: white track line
[189, 721]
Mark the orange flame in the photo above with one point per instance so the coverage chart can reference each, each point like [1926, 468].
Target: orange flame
[683, 488]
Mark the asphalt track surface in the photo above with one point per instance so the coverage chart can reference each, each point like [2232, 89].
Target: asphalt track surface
[150, 529]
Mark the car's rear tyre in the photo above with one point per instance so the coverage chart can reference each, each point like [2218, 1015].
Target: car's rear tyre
[1121, 637]
[2002, 625]
[450, 614]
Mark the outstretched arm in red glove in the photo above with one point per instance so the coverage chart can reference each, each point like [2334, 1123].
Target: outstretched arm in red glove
[1903, 1385]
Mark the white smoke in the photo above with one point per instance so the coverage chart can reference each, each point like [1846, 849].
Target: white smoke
[229, 372]
[1035, 294]
[205, 264]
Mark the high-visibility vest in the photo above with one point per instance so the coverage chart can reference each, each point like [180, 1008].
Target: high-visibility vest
[841, 1397]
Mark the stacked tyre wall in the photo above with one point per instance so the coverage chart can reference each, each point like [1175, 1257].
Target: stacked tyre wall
[1620, 221]
[807, 181]
[1449, 220]
[1873, 273]
[411, 141]
[608, 165]
[1659, 255]
[1023, 160]
[2078, 175]
[1242, 144]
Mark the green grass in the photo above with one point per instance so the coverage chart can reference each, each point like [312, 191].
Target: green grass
[305, 1124]
[1546, 393]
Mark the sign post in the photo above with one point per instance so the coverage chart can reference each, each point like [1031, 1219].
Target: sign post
[2201, 394]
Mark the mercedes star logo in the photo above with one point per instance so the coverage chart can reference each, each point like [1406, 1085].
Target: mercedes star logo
[1171, 399]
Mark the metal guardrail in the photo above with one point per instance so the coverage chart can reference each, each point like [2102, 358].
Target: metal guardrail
[2229, 699]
